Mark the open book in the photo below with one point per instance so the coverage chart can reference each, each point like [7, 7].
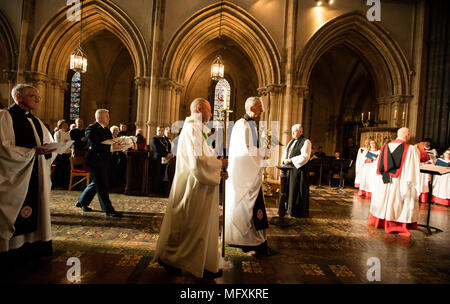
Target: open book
[433, 169]
[125, 141]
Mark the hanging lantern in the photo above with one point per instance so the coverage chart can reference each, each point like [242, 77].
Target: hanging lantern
[217, 69]
[78, 61]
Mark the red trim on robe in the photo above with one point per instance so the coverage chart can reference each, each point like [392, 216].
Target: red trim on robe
[423, 156]
[423, 197]
[440, 201]
[368, 161]
[391, 226]
[356, 185]
[364, 193]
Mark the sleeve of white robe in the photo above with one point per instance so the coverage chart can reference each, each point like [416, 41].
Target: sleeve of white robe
[204, 165]
[303, 158]
[409, 185]
[16, 164]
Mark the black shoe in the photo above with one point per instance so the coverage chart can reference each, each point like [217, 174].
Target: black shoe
[169, 269]
[209, 274]
[114, 214]
[84, 208]
[266, 251]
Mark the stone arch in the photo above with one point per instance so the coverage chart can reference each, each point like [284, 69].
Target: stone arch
[238, 25]
[59, 37]
[9, 40]
[375, 46]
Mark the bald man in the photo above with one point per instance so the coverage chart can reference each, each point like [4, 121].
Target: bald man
[188, 239]
[395, 204]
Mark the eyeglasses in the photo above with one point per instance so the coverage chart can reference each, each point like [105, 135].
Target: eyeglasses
[35, 97]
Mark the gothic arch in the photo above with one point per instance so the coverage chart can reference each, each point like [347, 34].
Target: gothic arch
[238, 25]
[9, 40]
[371, 42]
[59, 37]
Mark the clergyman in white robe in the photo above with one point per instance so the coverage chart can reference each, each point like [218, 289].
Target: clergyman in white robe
[395, 204]
[16, 166]
[245, 169]
[189, 235]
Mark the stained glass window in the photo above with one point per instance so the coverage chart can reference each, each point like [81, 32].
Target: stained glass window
[75, 96]
[221, 101]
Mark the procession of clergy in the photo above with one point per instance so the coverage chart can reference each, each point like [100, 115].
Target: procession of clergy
[189, 234]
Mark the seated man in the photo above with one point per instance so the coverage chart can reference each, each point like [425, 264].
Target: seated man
[337, 166]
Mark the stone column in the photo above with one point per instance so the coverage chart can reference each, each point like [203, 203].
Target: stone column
[56, 107]
[155, 66]
[41, 82]
[178, 89]
[28, 8]
[10, 76]
[142, 86]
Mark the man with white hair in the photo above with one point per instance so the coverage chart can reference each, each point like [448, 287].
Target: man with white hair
[297, 154]
[246, 219]
[394, 203]
[99, 161]
[25, 226]
[189, 234]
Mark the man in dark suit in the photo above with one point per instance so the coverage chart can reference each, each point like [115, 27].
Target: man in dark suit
[161, 155]
[98, 160]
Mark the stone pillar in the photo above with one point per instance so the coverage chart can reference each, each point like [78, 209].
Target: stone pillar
[142, 86]
[26, 26]
[57, 89]
[178, 89]
[10, 76]
[41, 82]
[302, 107]
[155, 66]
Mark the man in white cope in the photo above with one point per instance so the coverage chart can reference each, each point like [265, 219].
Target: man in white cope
[394, 203]
[245, 214]
[25, 226]
[297, 154]
[188, 239]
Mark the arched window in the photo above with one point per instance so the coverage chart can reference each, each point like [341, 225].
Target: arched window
[75, 96]
[221, 100]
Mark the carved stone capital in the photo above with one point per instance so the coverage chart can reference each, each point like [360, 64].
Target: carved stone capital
[301, 91]
[9, 75]
[142, 82]
[36, 77]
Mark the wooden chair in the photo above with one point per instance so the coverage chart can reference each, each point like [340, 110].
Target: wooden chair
[78, 169]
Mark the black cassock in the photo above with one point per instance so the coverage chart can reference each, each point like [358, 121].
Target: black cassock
[298, 183]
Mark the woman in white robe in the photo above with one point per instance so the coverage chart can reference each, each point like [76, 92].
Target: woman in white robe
[441, 184]
[360, 162]
[368, 171]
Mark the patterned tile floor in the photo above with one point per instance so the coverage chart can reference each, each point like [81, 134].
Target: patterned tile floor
[332, 246]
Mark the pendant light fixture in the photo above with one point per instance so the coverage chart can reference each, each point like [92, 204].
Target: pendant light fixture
[78, 60]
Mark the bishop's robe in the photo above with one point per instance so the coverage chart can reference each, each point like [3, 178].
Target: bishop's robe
[189, 235]
[394, 203]
[245, 213]
[24, 182]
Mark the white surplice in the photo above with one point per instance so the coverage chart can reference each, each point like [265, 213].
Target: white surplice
[398, 201]
[441, 187]
[360, 159]
[189, 235]
[16, 165]
[368, 173]
[245, 175]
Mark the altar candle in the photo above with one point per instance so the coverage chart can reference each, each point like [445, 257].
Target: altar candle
[369, 115]
[395, 114]
[403, 115]
[362, 116]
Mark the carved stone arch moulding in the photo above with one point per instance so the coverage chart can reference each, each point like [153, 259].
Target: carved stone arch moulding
[237, 25]
[368, 40]
[57, 38]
